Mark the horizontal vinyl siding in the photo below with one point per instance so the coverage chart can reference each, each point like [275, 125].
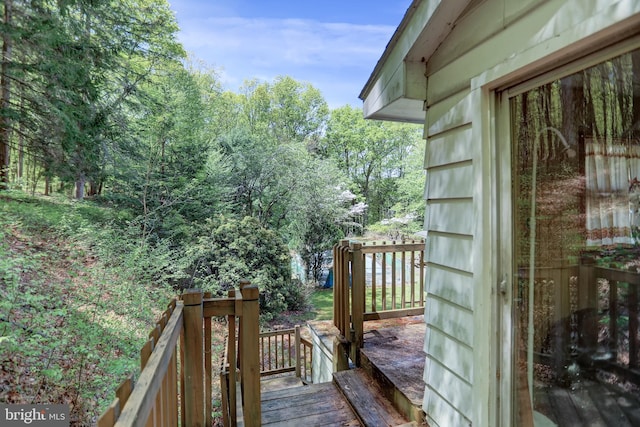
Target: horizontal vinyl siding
[441, 414]
[449, 279]
[450, 181]
[451, 215]
[495, 42]
[453, 251]
[450, 285]
[456, 391]
[451, 319]
[450, 353]
[449, 147]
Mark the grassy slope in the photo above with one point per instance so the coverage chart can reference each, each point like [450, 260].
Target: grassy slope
[70, 327]
[72, 315]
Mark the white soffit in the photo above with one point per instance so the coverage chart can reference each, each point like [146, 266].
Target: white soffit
[396, 89]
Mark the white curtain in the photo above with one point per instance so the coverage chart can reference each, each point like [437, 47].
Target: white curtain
[611, 170]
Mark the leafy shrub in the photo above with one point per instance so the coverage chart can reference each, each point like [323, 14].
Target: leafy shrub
[230, 250]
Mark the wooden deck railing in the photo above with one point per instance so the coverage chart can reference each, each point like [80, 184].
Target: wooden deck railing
[587, 313]
[614, 294]
[375, 280]
[176, 377]
[285, 351]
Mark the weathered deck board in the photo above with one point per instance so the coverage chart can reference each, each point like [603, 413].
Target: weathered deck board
[394, 356]
[279, 383]
[589, 403]
[606, 402]
[563, 407]
[366, 399]
[317, 405]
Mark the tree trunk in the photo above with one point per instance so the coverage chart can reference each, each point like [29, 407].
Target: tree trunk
[21, 143]
[80, 184]
[5, 128]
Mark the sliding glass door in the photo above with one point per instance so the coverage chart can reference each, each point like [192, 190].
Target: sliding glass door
[576, 248]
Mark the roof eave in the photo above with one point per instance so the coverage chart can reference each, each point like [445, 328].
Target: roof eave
[398, 80]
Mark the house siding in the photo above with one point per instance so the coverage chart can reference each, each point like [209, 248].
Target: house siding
[450, 225]
[493, 39]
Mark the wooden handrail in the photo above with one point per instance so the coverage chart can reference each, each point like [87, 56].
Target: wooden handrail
[151, 397]
[155, 398]
[138, 407]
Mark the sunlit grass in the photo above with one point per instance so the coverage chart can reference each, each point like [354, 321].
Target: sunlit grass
[322, 301]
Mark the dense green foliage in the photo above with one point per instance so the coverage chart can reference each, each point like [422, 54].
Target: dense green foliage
[230, 250]
[98, 100]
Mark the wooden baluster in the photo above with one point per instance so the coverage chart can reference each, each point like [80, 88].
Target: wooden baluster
[297, 347]
[336, 287]
[156, 414]
[403, 300]
[587, 306]
[373, 282]
[393, 280]
[232, 353]
[173, 388]
[346, 292]
[291, 352]
[224, 397]
[145, 353]
[269, 351]
[413, 279]
[124, 390]
[182, 380]
[194, 358]
[613, 318]
[208, 409]
[383, 267]
[422, 278]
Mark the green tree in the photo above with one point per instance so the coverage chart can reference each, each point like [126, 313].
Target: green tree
[285, 110]
[372, 154]
[76, 65]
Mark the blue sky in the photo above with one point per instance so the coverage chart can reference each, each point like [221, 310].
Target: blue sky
[332, 44]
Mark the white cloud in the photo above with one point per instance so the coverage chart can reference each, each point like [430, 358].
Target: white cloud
[328, 55]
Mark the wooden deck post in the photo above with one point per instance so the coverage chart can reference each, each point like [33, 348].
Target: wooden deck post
[193, 358]
[250, 362]
[357, 308]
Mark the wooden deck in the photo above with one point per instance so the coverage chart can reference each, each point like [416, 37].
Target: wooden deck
[587, 403]
[386, 391]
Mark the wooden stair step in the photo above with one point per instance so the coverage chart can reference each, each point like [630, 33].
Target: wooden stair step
[279, 383]
[367, 400]
[311, 405]
[399, 379]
